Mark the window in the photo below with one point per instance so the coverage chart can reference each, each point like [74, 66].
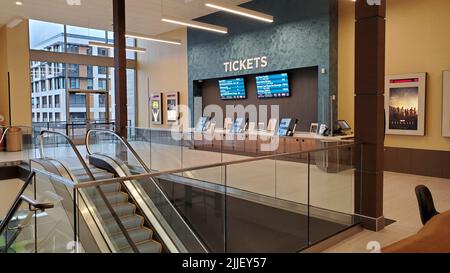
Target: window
[78, 117]
[77, 100]
[102, 70]
[57, 101]
[74, 83]
[102, 51]
[102, 100]
[38, 119]
[102, 116]
[74, 70]
[50, 116]
[90, 84]
[44, 102]
[50, 76]
[72, 49]
[102, 84]
[44, 117]
[44, 34]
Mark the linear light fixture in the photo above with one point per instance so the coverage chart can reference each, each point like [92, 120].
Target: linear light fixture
[152, 38]
[194, 24]
[111, 46]
[239, 11]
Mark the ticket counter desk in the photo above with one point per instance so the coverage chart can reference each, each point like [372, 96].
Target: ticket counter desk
[261, 143]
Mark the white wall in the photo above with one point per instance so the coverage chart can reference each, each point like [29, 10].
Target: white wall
[162, 69]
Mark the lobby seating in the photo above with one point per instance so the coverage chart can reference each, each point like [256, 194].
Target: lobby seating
[426, 204]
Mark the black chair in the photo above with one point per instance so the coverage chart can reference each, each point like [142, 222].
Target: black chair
[426, 204]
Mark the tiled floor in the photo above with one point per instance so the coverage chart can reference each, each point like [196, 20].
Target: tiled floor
[287, 180]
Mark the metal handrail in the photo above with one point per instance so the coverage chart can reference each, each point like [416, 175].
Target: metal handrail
[147, 170]
[91, 176]
[133, 152]
[213, 165]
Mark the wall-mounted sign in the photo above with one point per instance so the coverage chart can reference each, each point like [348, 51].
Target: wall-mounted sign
[405, 104]
[156, 108]
[172, 100]
[246, 64]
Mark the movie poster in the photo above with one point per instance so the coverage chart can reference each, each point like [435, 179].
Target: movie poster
[405, 104]
[172, 100]
[403, 108]
[156, 108]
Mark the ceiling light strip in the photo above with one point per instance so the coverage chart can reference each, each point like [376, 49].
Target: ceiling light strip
[152, 38]
[239, 11]
[111, 46]
[195, 24]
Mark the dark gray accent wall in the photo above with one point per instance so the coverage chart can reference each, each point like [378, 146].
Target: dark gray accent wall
[304, 34]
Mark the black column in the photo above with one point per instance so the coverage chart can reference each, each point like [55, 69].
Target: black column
[120, 67]
[369, 110]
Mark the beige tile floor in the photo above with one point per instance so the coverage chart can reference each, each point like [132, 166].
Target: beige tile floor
[288, 180]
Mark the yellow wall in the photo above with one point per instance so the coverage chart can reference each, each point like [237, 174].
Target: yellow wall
[162, 69]
[3, 76]
[417, 40]
[15, 59]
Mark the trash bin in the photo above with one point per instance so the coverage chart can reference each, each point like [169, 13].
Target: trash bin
[14, 140]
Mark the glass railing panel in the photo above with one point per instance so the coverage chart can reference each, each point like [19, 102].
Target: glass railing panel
[19, 234]
[331, 190]
[56, 227]
[166, 150]
[140, 140]
[292, 179]
[260, 209]
[198, 220]
[253, 176]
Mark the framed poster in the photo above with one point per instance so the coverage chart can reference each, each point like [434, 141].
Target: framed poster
[405, 104]
[446, 104]
[156, 108]
[173, 100]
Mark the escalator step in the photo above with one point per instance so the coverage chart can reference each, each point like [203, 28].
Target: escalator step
[97, 176]
[137, 235]
[106, 188]
[81, 171]
[123, 209]
[129, 222]
[145, 247]
[114, 198]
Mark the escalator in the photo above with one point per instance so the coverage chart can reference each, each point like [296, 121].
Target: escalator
[121, 216]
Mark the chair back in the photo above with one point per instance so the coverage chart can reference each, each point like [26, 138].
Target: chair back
[426, 204]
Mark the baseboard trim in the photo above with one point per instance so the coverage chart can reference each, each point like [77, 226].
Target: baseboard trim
[418, 162]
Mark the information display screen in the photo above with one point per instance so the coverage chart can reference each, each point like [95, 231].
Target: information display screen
[273, 86]
[232, 89]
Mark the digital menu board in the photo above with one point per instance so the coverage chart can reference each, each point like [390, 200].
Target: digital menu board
[232, 89]
[273, 86]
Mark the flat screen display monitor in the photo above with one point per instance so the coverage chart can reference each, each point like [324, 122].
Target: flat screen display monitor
[284, 127]
[273, 86]
[232, 89]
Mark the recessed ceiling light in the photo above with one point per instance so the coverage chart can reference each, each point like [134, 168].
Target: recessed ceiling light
[195, 24]
[152, 38]
[239, 10]
[111, 46]
[18, 3]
